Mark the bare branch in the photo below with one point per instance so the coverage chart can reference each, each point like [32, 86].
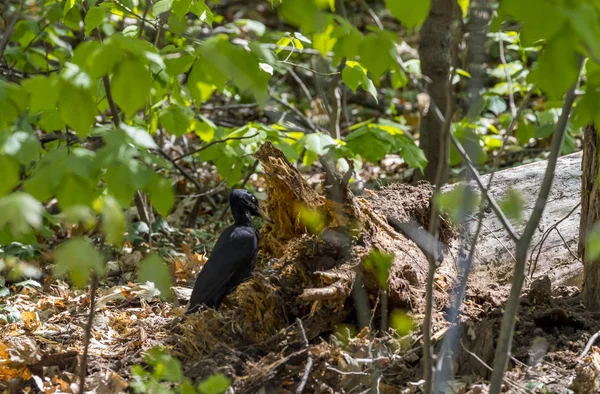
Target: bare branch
[211, 144]
[508, 320]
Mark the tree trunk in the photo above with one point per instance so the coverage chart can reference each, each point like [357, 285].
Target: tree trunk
[435, 54]
[590, 214]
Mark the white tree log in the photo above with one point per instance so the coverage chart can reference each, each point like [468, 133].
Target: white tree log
[494, 249]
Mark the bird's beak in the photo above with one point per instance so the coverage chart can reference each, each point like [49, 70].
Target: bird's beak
[264, 215]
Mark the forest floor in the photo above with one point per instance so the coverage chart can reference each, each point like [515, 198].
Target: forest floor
[43, 327]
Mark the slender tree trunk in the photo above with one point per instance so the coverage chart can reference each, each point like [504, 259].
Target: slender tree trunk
[435, 54]
[590, 214]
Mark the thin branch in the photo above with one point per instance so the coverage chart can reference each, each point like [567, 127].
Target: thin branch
[309, 360]
[180, 169]
[211, 144]
[372, 14]
[511, 93]
[88, 333]
[588, 346]
[538, 246]
[512, 305]
[9, 30]
[295, 110]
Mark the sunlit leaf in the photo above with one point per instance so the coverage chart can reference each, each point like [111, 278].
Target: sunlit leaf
[77, 109]
[214, 384]
[78, 258]
[592, 243]
[94, 18]
[380, 262]
[513, 205]
[410, 13]
[131, 85]
[113, 221]
[153, 269]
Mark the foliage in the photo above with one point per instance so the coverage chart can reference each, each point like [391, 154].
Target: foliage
[165, 376]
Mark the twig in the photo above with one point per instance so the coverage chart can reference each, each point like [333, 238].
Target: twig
[588, 346]
[143, 20]
[180, 169]
[540, 243]
[295, 110]
[211, 144]
[372, 14]
[511, 94]
[301, 83]
[9, 30]
[88, 333]
[508, 320]
[309, 360]
[249, 174]
[476, 357]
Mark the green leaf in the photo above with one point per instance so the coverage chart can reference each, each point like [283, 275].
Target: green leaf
[67, 7]
[23, 146]
[410, 152]
[75, 190]
[214, 384]
[94, 18]
[161, 7]
[131, 85]
[175, 119]
[113, 221]
[558, 65]
[592, 244]
[77, 109]
[324, 41]
[118, 179]
[352, 76]
[525, 132]
[203, 12]
[177, 24]
[464, 7]
[204, 80]
[79, 258]
[457, 202]
[545, 130]
[540, 21]
[400, 321]
[513, 205]
[179, 65]
[380, 262]
[181, 7]
[139, 137]
[21, 212]
[471, 141]
[43, 92]
[153, 269]
[162, 194]
[10, 174]
[305, 14]
[496, 104]
[238, 65]
[410, 13]
[378, 53]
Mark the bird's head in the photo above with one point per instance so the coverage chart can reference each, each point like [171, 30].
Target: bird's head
[243, 202]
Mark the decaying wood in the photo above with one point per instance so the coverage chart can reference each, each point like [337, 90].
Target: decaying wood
[556, 258]
[317, 269]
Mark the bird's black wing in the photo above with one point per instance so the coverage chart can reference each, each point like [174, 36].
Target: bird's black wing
[234, 251]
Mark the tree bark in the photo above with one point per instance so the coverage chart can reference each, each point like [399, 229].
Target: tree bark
[590, 214]
[435, 54]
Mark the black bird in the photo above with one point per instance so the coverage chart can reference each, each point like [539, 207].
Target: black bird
[233, 257]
